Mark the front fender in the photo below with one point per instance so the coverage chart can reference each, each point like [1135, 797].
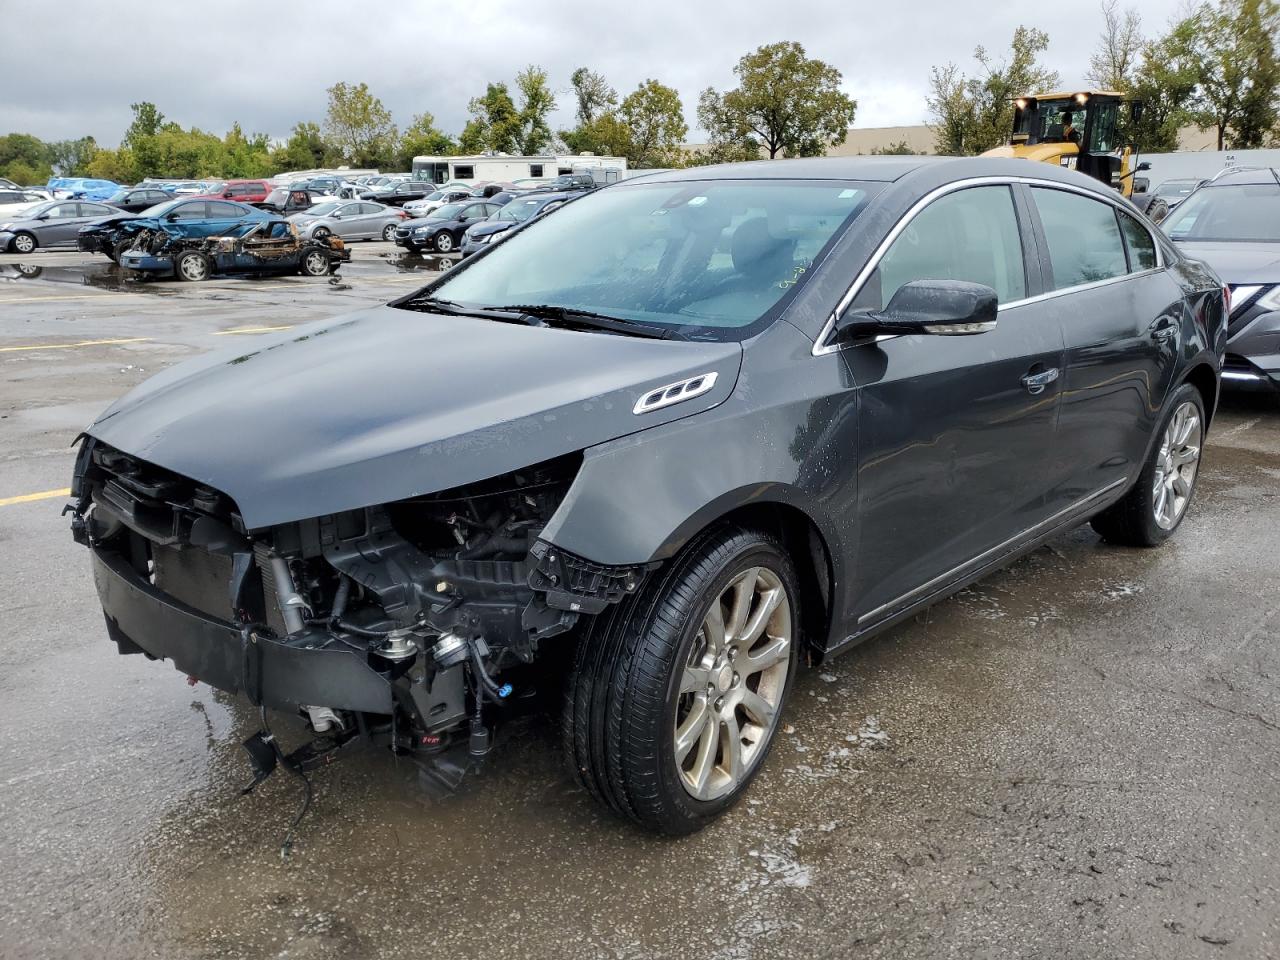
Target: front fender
[776, 440]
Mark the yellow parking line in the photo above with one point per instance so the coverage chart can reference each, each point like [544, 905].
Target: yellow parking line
[225, 333]
[79, 296]
[28, 497]
[79, 343]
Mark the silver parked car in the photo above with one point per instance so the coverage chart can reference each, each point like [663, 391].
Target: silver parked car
[54, 223]
[349, 219]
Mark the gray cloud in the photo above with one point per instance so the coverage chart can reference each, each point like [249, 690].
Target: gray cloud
[267, 66]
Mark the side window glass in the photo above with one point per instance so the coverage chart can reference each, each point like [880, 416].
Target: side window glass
[1084, 238]
[969, 235]
[1139, 243]
[224, 211]
[190, 211]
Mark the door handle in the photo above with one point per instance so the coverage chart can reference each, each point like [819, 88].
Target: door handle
[1163, 329]
[1036, 382]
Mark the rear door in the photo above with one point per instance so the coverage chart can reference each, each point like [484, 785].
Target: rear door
[954, 430]
[222, 216]
[1121, 314]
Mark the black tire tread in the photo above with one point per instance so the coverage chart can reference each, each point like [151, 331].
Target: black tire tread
[618, 678]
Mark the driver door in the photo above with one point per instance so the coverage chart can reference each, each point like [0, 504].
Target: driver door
[955, 431]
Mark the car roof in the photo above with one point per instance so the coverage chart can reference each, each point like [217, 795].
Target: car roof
[1252, 175]
[884, 169]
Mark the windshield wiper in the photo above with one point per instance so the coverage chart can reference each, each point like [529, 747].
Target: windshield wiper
[588, 318]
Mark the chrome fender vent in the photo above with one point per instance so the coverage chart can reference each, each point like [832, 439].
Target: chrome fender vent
[675, 393]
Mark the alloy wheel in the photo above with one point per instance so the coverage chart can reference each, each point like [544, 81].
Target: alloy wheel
[389, 232]
[24, 243]
[193, 268]
[316, 264]
[732, 684]
[1176, 465]
[444, 242]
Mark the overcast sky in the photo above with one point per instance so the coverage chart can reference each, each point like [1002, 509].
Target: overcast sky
[72, 67]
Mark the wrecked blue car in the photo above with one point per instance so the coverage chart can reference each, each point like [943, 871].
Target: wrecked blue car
[254, 247]
[181, 216]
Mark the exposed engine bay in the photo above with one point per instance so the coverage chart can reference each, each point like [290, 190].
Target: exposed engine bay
[414, 621]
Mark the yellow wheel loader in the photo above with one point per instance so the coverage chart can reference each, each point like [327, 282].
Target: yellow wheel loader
[1080, 131]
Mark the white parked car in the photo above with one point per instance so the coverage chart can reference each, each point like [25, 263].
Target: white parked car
[423, 208]
[19, 200]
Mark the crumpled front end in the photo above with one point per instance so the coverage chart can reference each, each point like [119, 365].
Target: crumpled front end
[426, 612]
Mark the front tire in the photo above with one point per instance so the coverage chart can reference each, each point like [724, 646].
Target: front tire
[1149, 513]
[315, 263]
[444, 242]
[23, 242]
[193, 266]
[675, 694]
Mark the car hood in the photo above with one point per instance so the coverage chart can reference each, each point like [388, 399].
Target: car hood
[386, 404]
[1238, 262]
[425, 222]
[490, 227]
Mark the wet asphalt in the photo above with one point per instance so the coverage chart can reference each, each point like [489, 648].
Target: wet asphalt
[1075, 758]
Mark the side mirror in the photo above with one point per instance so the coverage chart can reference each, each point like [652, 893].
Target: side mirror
[1143, 166]
[228, 194]
[171, 217]
[939, 307]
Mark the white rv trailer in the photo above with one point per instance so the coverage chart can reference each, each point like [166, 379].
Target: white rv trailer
[504, 168]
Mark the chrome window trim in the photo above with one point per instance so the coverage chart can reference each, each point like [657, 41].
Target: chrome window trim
[822, 348]
[941, 579]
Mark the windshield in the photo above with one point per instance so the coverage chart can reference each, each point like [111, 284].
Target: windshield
[323, 209]
[1243, 212]
[710, 258]
[437, 195]
[120, 194]
[1176, 188]
[446, 212]
[520, 210]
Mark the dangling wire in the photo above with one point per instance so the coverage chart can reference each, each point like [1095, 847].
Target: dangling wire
[287, 844]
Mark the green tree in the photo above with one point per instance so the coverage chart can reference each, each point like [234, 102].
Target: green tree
[495, 122]
[654, 118]
[118, 165]
[70, 158]
[306, 149]
[422, 137]
[24, 159]
[359, 126]
[791, 103]
[536, 103]
[147, 121]
[1166, 83]
[593, 94]
[973, 114]
[606, 134]
[728, 141]
[898, 149]
[1241, 78]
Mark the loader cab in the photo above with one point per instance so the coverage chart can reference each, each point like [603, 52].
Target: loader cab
[1077, 130]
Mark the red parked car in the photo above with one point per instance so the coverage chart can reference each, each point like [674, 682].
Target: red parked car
[245, 191]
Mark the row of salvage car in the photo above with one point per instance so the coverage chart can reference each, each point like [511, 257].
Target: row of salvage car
[193, 238]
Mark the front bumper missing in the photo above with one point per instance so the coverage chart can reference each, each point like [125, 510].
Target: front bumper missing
[268, 671]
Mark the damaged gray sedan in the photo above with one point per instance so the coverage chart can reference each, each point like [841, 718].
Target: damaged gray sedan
[653, 453]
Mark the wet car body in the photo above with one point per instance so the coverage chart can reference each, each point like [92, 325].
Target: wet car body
[350, 219]
[478, 236]
[54, 223]
[137, 199]
[766, 433]
[442, 230]
[191, 217]
[261, 247]
[1232, 223]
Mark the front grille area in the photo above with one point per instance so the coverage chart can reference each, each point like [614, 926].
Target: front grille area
[198, 578]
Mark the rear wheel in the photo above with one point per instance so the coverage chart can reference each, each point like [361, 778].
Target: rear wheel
[315, 263]
[675, 694]
[23, 242]
[193, 266]
[444, 242]
[1150, 512]
[389, 232]
[321, 233]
